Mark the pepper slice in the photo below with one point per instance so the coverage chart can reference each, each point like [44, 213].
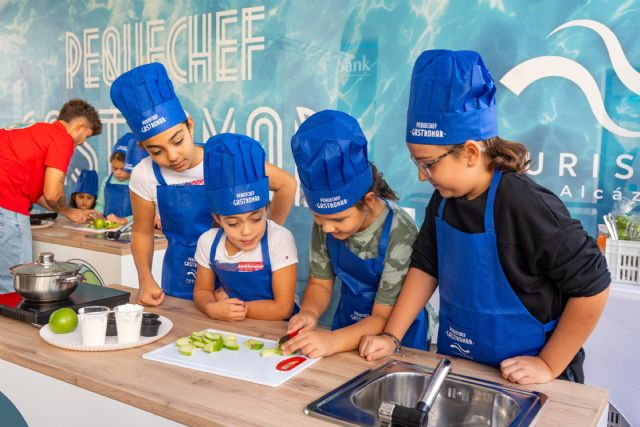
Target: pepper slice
[290, 363]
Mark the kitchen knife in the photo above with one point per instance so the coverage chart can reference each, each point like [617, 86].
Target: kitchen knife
[287, 337]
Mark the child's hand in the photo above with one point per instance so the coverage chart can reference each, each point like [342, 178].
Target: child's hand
[303, 321]
[526, 370]
[230, 309]
[374, 347]
[221, 294]
[314, 344]
[150, 294]
[115, 218]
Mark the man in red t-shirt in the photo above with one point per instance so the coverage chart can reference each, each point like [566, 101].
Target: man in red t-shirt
[33, 164]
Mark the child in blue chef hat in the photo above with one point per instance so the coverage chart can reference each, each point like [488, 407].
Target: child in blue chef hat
[85, 191]
[170, 181]
[113, 197]
[247, 266]
[358, 236]
[521, 283]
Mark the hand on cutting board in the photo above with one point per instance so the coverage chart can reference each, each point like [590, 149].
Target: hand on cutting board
[230, 309]
[115, 218]
[303, 321]
[315, 343]
[150, 294]
[526, 370]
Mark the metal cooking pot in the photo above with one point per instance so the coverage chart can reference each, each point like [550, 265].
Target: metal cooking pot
[46, 279]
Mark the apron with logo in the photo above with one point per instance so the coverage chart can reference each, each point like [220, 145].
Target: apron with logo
[245, 285]
[360, 279]
[185, 215]
[481, 317]
[116, 199]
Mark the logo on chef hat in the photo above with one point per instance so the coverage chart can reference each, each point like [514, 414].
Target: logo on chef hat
[246, 198]
[522, 75]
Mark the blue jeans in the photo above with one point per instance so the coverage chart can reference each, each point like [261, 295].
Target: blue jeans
[15, 245]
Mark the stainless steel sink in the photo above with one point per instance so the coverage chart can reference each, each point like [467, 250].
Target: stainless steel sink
[462, 401]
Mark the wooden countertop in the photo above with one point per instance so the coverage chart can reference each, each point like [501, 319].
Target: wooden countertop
[200, 399]
[85, 240]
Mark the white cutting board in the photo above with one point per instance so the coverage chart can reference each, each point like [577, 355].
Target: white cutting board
[244, 364]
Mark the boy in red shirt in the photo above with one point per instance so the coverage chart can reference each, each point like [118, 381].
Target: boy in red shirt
[33, 164]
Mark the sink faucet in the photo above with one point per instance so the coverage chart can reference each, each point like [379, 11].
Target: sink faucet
[391, 414]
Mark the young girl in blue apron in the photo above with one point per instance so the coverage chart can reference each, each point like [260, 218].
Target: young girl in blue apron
[521, 283]
[247, 266]
[85, 191]
[171, 181]
[113, 199]
[358, 236]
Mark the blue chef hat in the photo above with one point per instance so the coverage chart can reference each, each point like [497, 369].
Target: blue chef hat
[122, 145]
[135, 153]
[87, 183]
[146, 99]
[452, 99]
[234, 174]
[330, 151]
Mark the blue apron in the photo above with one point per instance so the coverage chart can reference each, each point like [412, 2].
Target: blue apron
[245, 285]
[481, 317]
[116, 199]
[360, 280]
[185, 215]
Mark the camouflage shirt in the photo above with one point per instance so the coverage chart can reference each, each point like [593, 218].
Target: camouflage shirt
[365, 245]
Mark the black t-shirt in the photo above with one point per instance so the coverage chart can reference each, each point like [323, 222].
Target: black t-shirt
[545, 254]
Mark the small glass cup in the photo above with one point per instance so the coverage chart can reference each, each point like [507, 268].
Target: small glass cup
[128, 322]
[93, 324]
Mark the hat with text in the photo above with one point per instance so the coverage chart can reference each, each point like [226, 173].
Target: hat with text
[135, 153]
[87, 183]
[145, 97]
[330, 151]
[122, 144]
[452, 99]
[234, 174]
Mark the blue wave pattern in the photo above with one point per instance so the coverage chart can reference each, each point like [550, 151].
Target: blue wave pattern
[357, 56]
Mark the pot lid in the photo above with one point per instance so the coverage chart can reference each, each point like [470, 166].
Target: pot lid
[45, 266]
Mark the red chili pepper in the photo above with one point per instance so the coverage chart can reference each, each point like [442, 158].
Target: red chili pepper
[290, 363]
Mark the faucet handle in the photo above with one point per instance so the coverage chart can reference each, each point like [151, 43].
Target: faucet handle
[437, 379]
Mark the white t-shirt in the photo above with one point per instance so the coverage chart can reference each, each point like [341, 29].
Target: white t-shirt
[282, 251]
[143, 181]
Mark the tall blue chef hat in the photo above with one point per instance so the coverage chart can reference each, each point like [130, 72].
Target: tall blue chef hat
[135, 153]
[146, 99]
[452, 99]
[87, 183]
[330, 151]
[122, 145]
[234, 174]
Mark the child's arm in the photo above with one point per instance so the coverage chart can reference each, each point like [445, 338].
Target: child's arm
[576, 323]
[142, 248]
[318, 343]
[284, 293]
[315, 301]
[283, 186]
[205, 300]
[100, 200]
[416, 291]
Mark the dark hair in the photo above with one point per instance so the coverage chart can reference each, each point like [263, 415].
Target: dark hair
[379, 187]
[75, 108]
[503, 154]
[507, 155]
[73, 204]
[117, 155]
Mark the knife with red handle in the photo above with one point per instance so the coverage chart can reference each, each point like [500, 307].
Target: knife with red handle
[287, 337]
